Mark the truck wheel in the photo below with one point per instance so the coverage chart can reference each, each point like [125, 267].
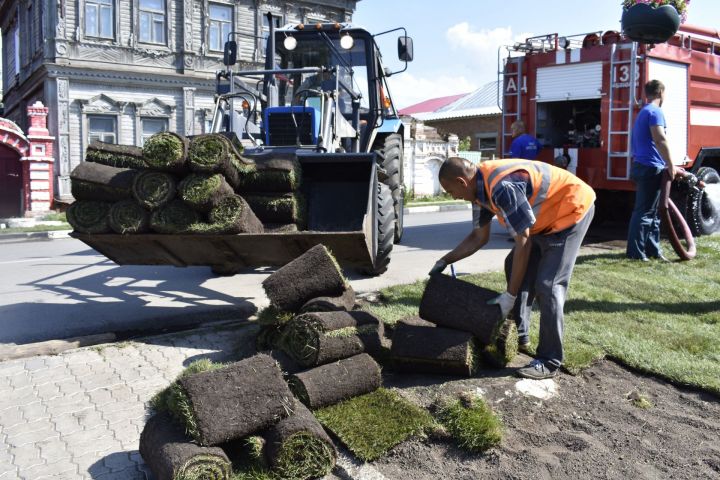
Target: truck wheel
[385, 224]
[390, 158]
[703, 214]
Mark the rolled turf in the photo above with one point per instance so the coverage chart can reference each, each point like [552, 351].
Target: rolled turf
[89, 216]
[318, 338]
[235, 401]
[113, 155]
[453, 303]
[127, 216]
[171, 455]
[297, 447]
[166, 152]
[284, 209]
[417, 349]
[344, 302]
[313, 274]
[328, 384]
[414, 320]
[175, 217]
[153, 189]
[94, 181]
[231, 215]
[273, 173]
[219, 153]
[204, 191]
[504, 347]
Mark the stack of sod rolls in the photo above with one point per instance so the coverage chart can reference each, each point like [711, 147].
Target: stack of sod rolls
[455, 327]
[173, 185]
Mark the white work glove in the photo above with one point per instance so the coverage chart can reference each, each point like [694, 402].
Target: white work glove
[438, 267]
[505, 301]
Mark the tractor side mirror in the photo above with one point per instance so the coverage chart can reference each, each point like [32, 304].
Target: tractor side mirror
[405, 48]
[230, 53]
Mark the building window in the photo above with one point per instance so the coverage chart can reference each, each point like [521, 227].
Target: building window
[266, 30]
[102, 128]
[220, 25]
[487, 142]
[99, 18]
[152, 21]
[151, 126]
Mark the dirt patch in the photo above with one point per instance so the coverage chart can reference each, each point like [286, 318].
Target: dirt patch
[589, 429]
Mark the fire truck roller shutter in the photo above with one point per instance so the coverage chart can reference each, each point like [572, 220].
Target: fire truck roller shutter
[569, 82]
[674, 76]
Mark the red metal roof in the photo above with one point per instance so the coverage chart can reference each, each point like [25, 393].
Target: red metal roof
[430, 105]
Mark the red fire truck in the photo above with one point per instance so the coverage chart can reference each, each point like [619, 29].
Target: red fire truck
[579, 96]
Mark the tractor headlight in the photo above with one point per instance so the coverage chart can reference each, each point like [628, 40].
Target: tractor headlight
[347, 42]
[290, 43]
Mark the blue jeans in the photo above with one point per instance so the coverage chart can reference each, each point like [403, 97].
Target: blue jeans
[644, 230]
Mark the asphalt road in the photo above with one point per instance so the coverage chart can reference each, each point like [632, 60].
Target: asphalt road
[61, 288]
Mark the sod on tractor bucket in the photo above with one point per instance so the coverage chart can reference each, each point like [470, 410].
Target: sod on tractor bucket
[95, 181]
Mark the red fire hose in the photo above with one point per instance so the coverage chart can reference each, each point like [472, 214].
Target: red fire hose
[671, 216]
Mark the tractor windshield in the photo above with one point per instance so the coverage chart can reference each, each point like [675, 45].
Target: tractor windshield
[313, 50]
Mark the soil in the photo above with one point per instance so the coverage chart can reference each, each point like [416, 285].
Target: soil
[590, 429]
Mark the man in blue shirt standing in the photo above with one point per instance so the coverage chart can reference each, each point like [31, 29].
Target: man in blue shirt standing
[523, 145]
[651, 156]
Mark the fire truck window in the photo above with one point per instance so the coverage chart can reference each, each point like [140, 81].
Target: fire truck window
[569, 124]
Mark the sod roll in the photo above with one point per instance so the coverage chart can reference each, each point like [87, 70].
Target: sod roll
[94, 181]
[318, 338]
[166, 152]
[337, 381]
[414, 320]
[127, 216]
[153, 189]
[231, 215]
[417, 349]
[237, 400]
[89, 216]
[453, 303]
[273, 173]
[219, 153]
[297, 447]
[344, 302]
[175, 217]
[204, 191]
[284, 209]
[171, 455]
[504, 347]
[113, 155]
[313, 274]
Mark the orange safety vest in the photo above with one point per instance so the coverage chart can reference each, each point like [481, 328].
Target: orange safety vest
[559, 199]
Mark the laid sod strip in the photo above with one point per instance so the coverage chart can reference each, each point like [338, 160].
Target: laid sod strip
[415, 321]
[236, 400]
[334, 382]
[287, 208]
[89, 216]
[435, 350]
[453, 303]
[472, 423]
[345, 302]
[314, 339]
[94, 181]
[313, 274]
[281, 227]
[298, 448]
[175, 217]
[505, 346]
[273, 173]
[203, 191]
[113, 155]
[171, 455]
[127, 216]
[153, 189]
[231, 215]
[370, 425]
[219, 153]
[166, 152]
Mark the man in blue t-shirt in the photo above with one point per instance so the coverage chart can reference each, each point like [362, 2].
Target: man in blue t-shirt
[651, 156]
[523, 145]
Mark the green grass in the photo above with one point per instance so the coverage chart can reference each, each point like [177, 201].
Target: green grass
[471, 422]
[372, 424]
[36, 228]
[659, 318]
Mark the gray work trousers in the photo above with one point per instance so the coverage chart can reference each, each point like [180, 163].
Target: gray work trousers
[550, 267]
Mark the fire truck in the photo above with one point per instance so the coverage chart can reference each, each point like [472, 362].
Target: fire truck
[579, 96]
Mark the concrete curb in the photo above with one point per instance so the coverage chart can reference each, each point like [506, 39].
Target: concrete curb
[437, 208]
[33, 236]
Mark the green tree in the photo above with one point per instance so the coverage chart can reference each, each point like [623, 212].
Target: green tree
[464, 144]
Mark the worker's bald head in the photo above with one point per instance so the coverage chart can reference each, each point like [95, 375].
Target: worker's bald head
[457, 177]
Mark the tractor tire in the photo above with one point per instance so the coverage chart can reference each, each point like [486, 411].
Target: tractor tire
[702, 214]
[385, 225]
[390, 158]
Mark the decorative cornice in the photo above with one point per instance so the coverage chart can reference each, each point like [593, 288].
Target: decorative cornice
[181, 80]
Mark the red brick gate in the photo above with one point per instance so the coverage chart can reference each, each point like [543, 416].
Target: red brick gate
[13, 146]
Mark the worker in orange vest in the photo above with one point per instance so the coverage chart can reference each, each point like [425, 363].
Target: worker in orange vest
[548, 211]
